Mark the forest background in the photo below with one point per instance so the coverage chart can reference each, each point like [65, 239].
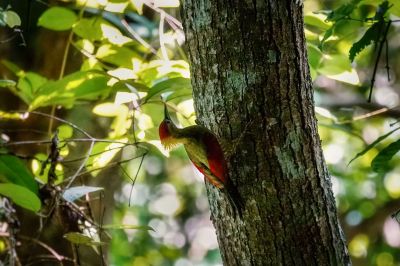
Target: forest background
[101, 67]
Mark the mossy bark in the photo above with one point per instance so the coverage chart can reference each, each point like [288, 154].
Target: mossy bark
[252, 87]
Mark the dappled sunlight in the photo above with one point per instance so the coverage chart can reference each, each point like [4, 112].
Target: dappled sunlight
[165, 205]
[337, 188]
[353, 218]
[91, 79]
[333, 153]
[387, 97]
[204, 240]
[385, 259]
[392, 184]
[350, 77]
[391, 231]
[114, 35]
[123, 73]
[358, 246]
[140, 194]
[368, 189]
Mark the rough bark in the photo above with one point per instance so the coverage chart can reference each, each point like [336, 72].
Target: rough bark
[252, 87]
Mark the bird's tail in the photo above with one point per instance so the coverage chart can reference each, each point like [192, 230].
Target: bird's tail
[235, 198]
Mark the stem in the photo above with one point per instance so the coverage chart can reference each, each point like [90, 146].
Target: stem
[377, 59]
[161, 34]
[62, 72]
[137, 37]
[56, 255]
[387, 60]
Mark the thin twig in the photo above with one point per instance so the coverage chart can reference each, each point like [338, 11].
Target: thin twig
[387, 59]
[100, 230]
[62, 71]
[39, 260]
[86, 158]
[134, 179]
[161, 37]
[26, 142]
[91, 155]
[45, 246]
[170, 19]
[77, 173]
[75, 254]
[9, 39]
[364, 116]
[382, 42]
[109, 165]
[137, 37]
[63, 121]
[41, 142]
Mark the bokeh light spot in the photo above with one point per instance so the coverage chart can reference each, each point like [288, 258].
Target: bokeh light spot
[358, 246]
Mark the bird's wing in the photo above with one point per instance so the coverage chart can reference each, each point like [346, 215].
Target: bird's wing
[205, 170]
[215, 156]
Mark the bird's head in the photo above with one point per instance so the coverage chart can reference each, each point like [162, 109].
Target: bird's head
[168, 131]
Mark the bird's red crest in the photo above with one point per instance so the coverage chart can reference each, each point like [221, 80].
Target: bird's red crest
[167, 140]
[163, 131]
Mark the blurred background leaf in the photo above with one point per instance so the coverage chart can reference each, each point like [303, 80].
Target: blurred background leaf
[103, 65]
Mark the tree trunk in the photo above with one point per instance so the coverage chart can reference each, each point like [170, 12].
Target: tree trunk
[252, 87]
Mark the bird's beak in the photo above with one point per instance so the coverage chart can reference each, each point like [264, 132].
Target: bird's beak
[166, 114]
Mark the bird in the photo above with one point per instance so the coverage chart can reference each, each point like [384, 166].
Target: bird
[205, 152]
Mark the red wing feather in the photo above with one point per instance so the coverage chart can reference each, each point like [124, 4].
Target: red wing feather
[209, 176]
[216, 159]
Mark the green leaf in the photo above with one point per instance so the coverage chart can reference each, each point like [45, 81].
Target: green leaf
[2, 21]
[75, 193]
[102, 154]
[12, 67]
[89, 28]
[395, 7]
[109, 109]
[28, 84]
[342, 127]
[21, 196]
[11, 115]
[76, 86]
[65, 131]
[334, 64]
[157, 70]
[13, 170]
[371, 35]
[11, 19]
[172, 85]
[381, 161]
[117, 55]
[57, 18]
[327, 34]
[343, 11]
[381, 10]
[7, 83]
[373, 144]
[317, 20]
[81, 239]
[314, 56]
[128, 226]
[129, 86]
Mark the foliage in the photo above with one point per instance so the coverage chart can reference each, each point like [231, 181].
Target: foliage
[361, 135]
[121, 77]
[9, 18]
[120, 57]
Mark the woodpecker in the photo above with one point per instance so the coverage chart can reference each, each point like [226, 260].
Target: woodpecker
[206, 154]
